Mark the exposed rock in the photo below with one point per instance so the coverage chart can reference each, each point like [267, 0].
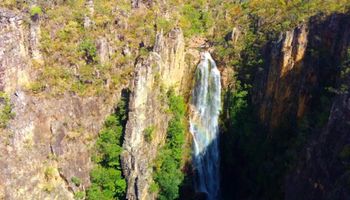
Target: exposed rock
[164, 66]
[293, 48]
[235, 35]
[140, 3]
[90, 6]
[34, 38]
[302, 61]
[146, 110]
[323, 172]
[14, 68]
[299, 66]
[47, 135]
[103, 50]
[172, 53]
[50, 133]
[284, 70]
[87, 18]
[227, 76]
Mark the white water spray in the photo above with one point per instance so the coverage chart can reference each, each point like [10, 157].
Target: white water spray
[206, 107]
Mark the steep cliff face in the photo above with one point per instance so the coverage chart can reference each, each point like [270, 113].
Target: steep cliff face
[14, 53]
[283, 77]
[323, 171]
[45, 146]
[300, 66]
[300, 63]
[49, 140]
[162, 69]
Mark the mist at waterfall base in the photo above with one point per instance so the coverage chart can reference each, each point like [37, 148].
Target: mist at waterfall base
[206, 107]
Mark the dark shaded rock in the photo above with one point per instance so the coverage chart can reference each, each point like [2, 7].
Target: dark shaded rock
[323, 173]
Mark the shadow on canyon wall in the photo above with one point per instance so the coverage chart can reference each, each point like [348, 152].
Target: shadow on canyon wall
[299, 157]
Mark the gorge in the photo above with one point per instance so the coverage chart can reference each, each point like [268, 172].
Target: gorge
[175, 99]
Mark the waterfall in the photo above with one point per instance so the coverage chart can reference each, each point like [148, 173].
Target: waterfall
[206, 106]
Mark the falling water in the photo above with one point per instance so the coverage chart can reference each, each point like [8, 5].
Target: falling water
[206, 106]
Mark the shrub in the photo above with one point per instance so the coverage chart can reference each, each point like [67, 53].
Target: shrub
[48, 187]
[79, 195]
[107, 181]
[6, 113]
[88, 50]
[167, 169]
[195, 20]
[35, 10]
[144, 52]
[164, 24]
[49, 172]
[149, 133]
[37, 87]
[76, 181]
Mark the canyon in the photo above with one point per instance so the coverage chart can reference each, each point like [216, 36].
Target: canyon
[274, 129]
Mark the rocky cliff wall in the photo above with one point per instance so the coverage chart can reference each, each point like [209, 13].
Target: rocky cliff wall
[322, 172]
[300, 66]
[14, 53]
[162, 69]
[322, 169]
[49, 140]
[301, 62]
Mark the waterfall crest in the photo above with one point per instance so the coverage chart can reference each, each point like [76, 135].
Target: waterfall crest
[206, 107]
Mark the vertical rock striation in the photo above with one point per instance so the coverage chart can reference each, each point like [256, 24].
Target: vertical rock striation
[34, 38]
[49, 139]
[14, 56]
[163, 68]
[322, 171]
[283, 77]
[298, 64]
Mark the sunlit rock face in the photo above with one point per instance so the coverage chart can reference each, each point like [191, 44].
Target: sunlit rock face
[46, 135]
[296, 66]
[283, 73]
[322, 170]
[206, 106]
[163, 68]
[14, 56]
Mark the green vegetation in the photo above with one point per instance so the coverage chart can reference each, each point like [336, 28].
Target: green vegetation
[6, 113]
[49, 172]
[70, 59]
[35, 10]
[79, 195]
[149, 133]
[343, 86]
[107, 181]
[14, 4]
[88, 50]
[164, 24]
[167, 169]
[76, 181]
[195, 20]
[345, 152]
[71, 62]
[258, 158]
